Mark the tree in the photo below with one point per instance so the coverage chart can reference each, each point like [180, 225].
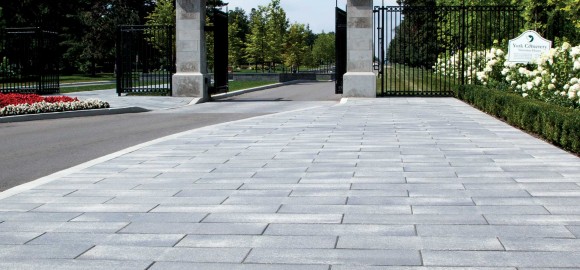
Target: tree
[296, 47]
[100, 22]
[276, 25]
[256, 45]
[323, 50]
[237, 30]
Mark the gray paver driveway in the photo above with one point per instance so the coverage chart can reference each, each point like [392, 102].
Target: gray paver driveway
[371, 184]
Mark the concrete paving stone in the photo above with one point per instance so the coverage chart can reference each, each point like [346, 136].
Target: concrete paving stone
[526, 186]
[541, 244]
[262, 241]
[555, 193]
[501, 258]
[226, 266]
[164, 186]
[511, 174]
[340, 229]
[353, 180]
[17, 238]
[469, 193]
[150, 240]
[347, 193]
[528, 201]
[494, 231]
[141, 217]
[409, 187]
[168, 200]
[467, 219]
[412, 180]
[89, 180]
[115, 186]
[85, 227]
[18, 207]
[45, 192]
[236, 200]
[273, 218]
[575, 230]
[295, 186]
[486, 209]
[351, 267]
[124, 193]
[114, 208]
[533, 219]
[28, 252]
[384, 200]
[564, 209]
[239, 193]
[418, 243]
[297, 175]
[37, 216]
[195, 228]
[160, 254]
[216, 209]
[346, 209]
[54, 199]
[71, 264]
[334, 256]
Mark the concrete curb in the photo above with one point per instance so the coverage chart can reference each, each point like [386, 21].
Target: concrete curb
[70, 114]
[259, 88]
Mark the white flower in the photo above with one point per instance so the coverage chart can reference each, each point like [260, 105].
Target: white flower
[513, 83]
[529, 85]
[575, 51]
[554, 80]
[499, 52]
[551, 87]
[563, 93]
[566, 46]
[577, 65]
[574, 81]
[537, 81]
[524, 94]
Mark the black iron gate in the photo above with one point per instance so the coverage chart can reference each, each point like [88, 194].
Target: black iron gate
[145, 59]
[430, 50]
[340, 46]
[29, 61]
[220, 52]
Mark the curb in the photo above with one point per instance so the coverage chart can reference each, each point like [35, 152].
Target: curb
[70, 114]
[259, 88]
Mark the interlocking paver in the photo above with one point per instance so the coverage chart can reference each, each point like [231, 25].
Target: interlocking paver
[385, 184]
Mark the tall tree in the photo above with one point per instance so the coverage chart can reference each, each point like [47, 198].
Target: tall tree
[100, 22]
[277, 26]
[323, 50]
[256, 45]
[238, 29]
[296, 47]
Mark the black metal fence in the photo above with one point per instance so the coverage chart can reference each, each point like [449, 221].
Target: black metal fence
[29, 61]
[340, 47]
[145, 59]
[429, 50]
[219, 31]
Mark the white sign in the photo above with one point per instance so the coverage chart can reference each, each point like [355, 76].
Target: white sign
[528, 47]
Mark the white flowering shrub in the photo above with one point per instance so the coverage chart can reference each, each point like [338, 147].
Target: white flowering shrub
[554, 77]
[44, 107]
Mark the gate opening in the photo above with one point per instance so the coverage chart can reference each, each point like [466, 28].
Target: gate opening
[340, 47]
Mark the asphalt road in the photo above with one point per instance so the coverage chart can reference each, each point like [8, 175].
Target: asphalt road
[31, 150]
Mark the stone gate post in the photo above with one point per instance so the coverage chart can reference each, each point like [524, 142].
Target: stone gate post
[359, 80]
[191, 65]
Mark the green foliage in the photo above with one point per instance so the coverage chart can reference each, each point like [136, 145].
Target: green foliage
[256, 45]
[163, 14]
[323, 50]
[553, 123]
[296, 47]
[276, 28]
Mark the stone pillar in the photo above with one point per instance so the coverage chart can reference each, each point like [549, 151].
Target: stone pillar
[360, 80]
[191, 65]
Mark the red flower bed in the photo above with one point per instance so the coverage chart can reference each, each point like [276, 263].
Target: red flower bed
[15, 99]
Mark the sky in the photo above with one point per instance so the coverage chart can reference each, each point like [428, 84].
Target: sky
[319, 14]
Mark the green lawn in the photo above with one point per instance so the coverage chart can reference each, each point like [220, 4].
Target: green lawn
[87, 78]
[404, 80]
[240, 85]
[65, 90]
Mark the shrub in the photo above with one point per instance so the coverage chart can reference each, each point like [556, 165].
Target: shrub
[558, 125]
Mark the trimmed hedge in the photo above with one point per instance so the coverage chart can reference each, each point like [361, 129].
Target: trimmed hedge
[558, 125]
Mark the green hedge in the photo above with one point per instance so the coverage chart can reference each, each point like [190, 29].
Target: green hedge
[558, 125]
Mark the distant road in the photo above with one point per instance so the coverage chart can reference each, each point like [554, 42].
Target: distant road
[31, 150]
